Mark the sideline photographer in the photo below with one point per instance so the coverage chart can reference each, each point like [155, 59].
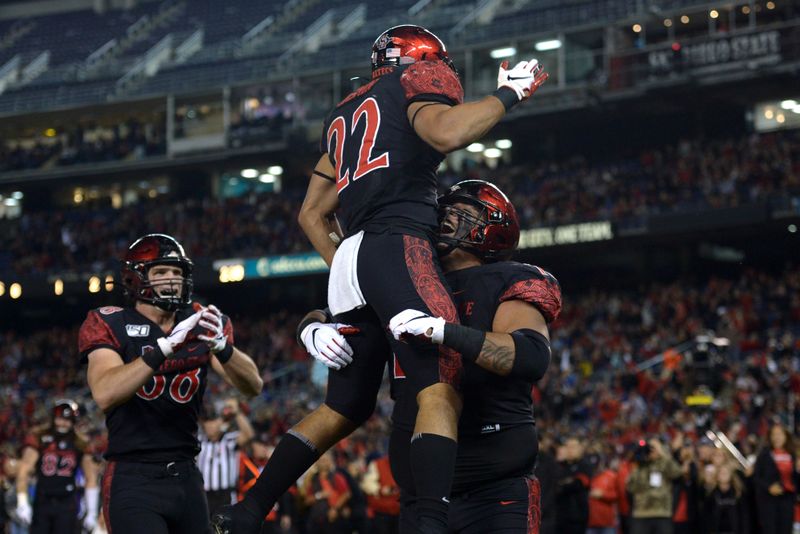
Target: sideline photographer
[650, 485]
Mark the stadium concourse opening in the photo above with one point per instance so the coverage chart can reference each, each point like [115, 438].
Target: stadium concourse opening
[656, 175]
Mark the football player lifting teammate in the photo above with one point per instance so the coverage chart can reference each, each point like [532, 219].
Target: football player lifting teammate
[381, 148]
[147, 370]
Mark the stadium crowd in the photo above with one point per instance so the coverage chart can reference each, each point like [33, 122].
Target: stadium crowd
[593, 407]
[693, 175]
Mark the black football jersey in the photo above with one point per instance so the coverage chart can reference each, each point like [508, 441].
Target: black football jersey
[491, 402]
[385, 173]
[159, 423]
[60, 457]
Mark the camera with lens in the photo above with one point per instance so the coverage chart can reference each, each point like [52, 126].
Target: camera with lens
[641, 454]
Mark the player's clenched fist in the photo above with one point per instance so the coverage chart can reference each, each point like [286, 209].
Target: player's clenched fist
[524, 79]
[326, 344]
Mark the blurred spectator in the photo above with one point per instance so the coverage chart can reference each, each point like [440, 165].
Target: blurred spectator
[572, 491]
[603, 500]
[327, 494]
[546, 471]
[383, 496]
[651, 483]
[776, 479]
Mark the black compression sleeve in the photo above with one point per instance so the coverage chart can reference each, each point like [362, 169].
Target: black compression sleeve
[531, 354]
[468, 341]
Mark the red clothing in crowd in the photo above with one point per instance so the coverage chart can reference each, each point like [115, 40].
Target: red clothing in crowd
[387, 501]
[784, 462]
[603, 497]
[624, 471]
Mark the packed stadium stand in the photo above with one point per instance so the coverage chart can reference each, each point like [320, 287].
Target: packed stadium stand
[656, 175]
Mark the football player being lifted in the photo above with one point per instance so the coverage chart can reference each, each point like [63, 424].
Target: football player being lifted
[381, 147]
[147, 370]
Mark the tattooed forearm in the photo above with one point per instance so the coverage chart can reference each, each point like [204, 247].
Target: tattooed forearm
[497, 355]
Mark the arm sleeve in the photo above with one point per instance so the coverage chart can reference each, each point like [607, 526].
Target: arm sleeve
[95, 333]
[431, 81]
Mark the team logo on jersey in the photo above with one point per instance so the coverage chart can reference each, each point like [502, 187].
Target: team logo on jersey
[137, 330]
[397, 370]
[108, 310]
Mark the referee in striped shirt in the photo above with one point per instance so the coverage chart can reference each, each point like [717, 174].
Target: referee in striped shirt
[218, 460]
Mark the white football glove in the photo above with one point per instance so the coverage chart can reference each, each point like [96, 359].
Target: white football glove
[211, 320]
[180, 335]
[418, 324]
[524, 79]
[324, 342]
[24, 510]
[92, 496]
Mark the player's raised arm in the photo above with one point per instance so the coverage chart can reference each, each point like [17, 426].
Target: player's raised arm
[316, 216]
[448, 128]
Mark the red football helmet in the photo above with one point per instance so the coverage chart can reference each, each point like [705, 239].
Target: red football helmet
[405, 44]
[492, 234]
[65, 409]
[144, 253]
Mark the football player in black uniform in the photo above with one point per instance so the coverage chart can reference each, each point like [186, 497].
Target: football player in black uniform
[505, 308]
[54, 458]
[381, 147]
[147, 367]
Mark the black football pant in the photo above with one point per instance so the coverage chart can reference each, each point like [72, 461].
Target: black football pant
[55, 515]
[155, 498]
[510, 506]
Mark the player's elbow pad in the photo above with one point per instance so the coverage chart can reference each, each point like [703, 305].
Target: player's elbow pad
[531, 354]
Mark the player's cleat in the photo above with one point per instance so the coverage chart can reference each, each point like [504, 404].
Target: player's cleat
[226, 520]
[222, 520]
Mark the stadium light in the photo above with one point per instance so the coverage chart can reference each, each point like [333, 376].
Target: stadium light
[267, 178]
[50, 132]
[637, 28]
[746, 10]
[15, 291]
[475, 147]
[94, 284]
[275, 170]
[17, 194]
[503, 144]
[58, 287]
[249, 173]
[668, 23]
[543, 46]
[769, 114]
[10, 202]
[788, 104]
[781, 118]
[685, 19]
[792, 228]
[713, 14]
[2, 289]
[796, 109]
[109, 283]
[770, 5]
[492, 153]
[499, 53]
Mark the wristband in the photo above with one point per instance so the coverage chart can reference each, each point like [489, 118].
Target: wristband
[155, 356]
[468, 341]
[225, 354]
[507, 96]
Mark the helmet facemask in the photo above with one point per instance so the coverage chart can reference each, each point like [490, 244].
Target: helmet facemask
[168, 293]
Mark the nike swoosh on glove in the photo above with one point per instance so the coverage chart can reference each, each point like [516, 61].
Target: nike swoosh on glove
[419, 324]
[180, 335]
[327, 345]
[524, 79]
